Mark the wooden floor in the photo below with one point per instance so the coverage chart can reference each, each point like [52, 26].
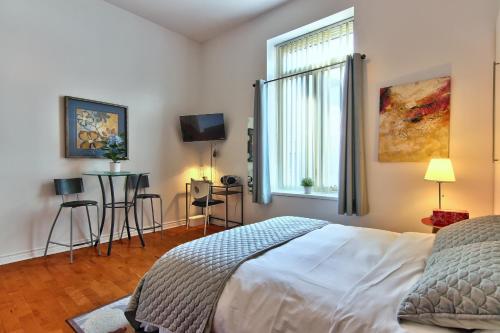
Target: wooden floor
[38, 295]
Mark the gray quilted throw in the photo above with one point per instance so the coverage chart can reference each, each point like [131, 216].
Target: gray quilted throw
[181, 291]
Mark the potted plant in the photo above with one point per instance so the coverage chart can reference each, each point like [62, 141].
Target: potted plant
[116, 151]
[307, 183]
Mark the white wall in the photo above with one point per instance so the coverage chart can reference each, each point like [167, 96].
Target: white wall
[497, 122]
[88, 49]
[404, 41]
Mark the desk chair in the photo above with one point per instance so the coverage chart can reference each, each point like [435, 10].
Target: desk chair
[201, 192]
[73, 186]
[143, 185]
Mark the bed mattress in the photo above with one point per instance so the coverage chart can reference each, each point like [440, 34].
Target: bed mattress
[335, 279]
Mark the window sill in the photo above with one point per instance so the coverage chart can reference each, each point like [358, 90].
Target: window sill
[314, 195]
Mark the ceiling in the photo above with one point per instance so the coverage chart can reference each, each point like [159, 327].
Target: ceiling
[199, 20]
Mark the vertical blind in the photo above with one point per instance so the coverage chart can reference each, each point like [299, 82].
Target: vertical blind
[308, 107]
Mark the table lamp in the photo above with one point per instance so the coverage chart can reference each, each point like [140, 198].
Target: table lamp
[440, 170]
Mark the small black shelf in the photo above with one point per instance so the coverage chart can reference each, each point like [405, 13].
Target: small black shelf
[229, 192]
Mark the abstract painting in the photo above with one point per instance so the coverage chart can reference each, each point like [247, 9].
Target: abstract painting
[414, 122]
[89, 124]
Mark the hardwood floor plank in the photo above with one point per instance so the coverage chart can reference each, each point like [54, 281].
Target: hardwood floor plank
[38, 295]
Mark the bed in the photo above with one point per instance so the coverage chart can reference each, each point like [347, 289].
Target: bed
[334, 278]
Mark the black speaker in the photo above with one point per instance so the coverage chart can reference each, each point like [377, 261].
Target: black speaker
[230, 180]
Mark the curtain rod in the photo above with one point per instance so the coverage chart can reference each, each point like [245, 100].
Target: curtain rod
[363, 56]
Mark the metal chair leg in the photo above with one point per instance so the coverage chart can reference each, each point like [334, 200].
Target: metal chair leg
[206, 221]
[71, 237]
[51, 230]
[90, 225]
[142, 214]
[188, 210]
[187, 218]
[152, 214]
[98, 232]
[127, 210]
[225, 215]
[161, 218]
[123, 229]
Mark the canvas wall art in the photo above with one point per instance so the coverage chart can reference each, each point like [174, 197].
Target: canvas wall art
[89, 124]
[415, 121]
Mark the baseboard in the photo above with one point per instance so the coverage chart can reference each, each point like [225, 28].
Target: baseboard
[38, 252]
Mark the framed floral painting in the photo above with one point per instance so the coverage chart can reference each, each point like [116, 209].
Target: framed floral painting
[89, 124]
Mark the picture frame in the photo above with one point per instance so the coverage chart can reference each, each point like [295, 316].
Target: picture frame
[88, 124]
[414, 121]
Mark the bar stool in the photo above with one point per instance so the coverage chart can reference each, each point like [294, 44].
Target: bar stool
[143, 185]
[69, 187]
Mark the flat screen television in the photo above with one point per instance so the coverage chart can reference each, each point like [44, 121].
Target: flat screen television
[203, 127]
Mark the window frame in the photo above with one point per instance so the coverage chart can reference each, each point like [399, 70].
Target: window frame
[272, 70]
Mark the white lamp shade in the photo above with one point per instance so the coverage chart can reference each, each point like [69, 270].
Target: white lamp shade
[440, 170]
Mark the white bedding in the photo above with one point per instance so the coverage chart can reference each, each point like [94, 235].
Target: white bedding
[335, 279]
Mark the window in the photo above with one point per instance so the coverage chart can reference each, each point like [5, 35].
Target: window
[305, 108]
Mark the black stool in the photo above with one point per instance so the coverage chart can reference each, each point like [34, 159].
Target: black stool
[67, 187]
[143, 185]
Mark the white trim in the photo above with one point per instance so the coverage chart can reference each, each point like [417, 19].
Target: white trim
[53, 249]
[314, 195]
[271, 43]
[271, 73]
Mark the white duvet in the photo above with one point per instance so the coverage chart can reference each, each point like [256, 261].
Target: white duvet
[335, 279]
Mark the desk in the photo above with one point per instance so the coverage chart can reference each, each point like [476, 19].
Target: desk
[225, 191]
[113, 204]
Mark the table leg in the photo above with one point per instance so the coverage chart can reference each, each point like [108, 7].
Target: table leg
[187, 207]
[103, 194]
[112, 190]
[242, 205]
[135, 209]
[226, 208]
[126, 207]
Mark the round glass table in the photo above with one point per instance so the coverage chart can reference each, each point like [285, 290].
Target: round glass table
[126, 204]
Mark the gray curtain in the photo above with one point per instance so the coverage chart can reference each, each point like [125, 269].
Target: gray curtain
[261, 182]
[353, 199]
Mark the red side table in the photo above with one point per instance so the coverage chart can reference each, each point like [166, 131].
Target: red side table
[428, 221]
[444, 218]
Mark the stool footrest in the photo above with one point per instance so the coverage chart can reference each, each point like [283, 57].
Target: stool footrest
[147, 228]
[67, 245]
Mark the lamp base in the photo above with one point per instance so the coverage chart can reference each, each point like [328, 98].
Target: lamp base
[439, 193]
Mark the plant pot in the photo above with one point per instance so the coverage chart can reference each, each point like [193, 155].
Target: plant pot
[307, 189]
[114, 166]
